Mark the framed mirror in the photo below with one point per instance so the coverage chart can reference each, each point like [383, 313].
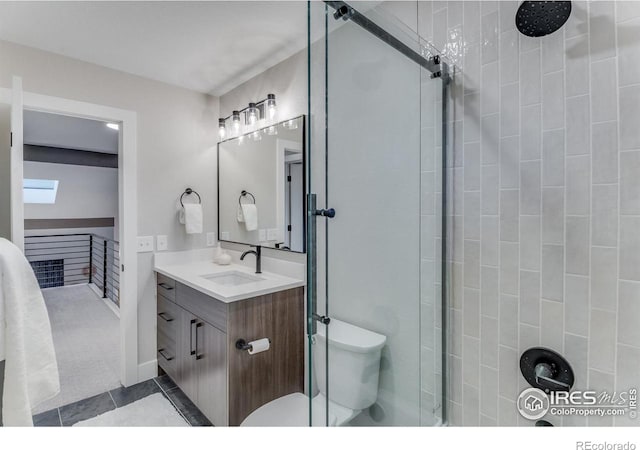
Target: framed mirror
[261, 187]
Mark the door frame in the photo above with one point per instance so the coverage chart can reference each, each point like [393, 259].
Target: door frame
[282, 145]
[127, 208]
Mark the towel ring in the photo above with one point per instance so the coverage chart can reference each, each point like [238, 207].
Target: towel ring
[189, 191]
[244, 194]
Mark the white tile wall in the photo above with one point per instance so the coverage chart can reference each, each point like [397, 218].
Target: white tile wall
[546, 213]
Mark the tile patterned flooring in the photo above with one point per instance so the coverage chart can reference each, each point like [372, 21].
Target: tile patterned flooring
[93, 406]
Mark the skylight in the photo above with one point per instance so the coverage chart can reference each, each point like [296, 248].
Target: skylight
[40, 191]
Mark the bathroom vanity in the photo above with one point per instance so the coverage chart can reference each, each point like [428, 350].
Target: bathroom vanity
[204, 310]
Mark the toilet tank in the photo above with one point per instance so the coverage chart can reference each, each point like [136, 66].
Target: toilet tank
[354, 364]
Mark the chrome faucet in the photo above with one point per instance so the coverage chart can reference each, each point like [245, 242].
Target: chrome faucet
[258, 253]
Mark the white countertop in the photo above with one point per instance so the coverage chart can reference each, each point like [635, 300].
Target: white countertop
[188, 268]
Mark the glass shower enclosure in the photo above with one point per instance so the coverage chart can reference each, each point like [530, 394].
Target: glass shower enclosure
[376, 286]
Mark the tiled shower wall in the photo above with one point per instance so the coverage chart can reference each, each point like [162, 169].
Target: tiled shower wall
[546, 199]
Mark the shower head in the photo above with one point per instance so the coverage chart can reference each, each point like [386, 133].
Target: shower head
[536, 19]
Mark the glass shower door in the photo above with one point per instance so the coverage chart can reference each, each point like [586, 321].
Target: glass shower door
[375, 316]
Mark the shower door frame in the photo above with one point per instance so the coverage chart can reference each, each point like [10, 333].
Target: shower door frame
[438, 69]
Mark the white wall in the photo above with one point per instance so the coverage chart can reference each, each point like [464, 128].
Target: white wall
[176, 148]
[83, 191]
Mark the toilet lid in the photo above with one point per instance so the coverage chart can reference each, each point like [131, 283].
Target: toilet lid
[289, 411]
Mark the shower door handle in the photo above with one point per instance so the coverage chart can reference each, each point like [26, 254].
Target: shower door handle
[312, 268]
[329, 213]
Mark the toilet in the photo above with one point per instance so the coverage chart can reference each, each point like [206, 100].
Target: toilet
[354, 364]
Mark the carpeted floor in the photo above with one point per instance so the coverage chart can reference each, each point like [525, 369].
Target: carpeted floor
[86, 336]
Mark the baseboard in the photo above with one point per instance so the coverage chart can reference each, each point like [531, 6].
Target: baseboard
[148, 370]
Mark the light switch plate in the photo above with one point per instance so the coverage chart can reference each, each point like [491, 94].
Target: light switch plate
[224, 235]
[262, 235]
[145, 244]
[272, 234]
[161, 242]
[211, 239]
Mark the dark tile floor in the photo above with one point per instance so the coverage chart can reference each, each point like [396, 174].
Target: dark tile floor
[93, 406]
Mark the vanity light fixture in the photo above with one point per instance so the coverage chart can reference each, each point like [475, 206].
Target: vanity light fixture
[254, 112]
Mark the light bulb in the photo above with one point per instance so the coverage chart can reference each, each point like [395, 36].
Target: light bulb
[252, 114]
[235, 120]
[271, 106]
[222, 130]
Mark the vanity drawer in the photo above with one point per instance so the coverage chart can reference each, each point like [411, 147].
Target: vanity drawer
[207, 308]
[166, 287]
[168, 314]
[167, 353]
[168, 334]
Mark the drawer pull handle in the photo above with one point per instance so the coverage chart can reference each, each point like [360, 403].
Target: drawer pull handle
[166, 317]
[198, 326]
[162, 353]
[166, 286]
[191, 346]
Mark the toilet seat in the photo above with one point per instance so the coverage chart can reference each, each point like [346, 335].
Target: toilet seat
[289, 411]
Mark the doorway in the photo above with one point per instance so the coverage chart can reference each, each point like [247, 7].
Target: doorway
[126, 262]
[70, 195]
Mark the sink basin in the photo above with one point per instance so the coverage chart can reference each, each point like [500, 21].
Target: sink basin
[232, 278]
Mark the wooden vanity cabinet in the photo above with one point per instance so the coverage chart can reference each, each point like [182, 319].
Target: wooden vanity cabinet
[196, 348]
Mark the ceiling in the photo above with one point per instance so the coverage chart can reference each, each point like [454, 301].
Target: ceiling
[209, 47]
[54, 130]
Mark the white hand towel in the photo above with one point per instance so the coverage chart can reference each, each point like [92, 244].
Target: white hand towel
[250, 213]
[193, 218]
[239, 214]
[31, 371]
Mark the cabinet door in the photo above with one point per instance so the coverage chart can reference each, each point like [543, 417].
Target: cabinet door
[211, 357]
[187, 370]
